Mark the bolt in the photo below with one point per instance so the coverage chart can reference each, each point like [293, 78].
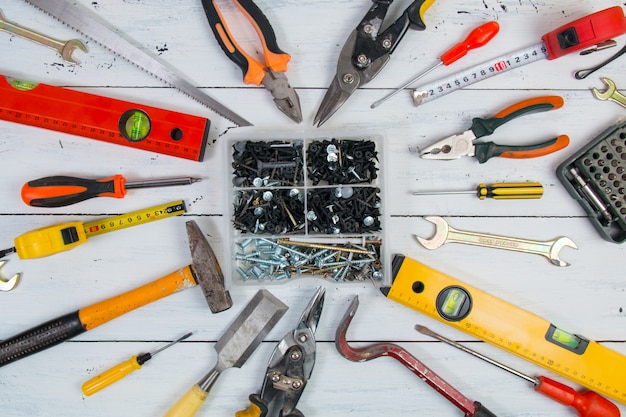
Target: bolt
[295, 355]
[362, 59]
[386, 43]
[348, 78]
[368, 28]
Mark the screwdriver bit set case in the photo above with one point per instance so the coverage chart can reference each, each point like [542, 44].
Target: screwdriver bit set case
[306, 207]
[596, 177]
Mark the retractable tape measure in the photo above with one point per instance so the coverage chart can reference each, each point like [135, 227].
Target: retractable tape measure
[508, 327]
[49, 240]
[574, 36]
[102, 118]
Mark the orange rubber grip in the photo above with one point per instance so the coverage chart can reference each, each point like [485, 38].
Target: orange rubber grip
[104, 311]
[275, 59]
[555, 101]
[58, 191]
[558, 144]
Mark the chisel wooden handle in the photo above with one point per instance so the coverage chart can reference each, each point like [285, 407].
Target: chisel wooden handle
[65, 327]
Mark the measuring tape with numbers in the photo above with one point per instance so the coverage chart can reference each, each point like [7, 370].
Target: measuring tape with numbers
[102, 118]
[579, 34]
[508, 327]
[478, 73]
[49, 240]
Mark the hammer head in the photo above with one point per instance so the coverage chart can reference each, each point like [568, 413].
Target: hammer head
[206, 270]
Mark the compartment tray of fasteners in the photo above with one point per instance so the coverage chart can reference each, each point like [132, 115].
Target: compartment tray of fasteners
[306, 207]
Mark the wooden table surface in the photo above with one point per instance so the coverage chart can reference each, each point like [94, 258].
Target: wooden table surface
[586, 298]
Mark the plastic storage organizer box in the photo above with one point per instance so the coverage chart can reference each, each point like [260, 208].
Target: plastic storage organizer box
[306, 207]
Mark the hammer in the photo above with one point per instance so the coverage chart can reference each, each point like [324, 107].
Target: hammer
[203, 271]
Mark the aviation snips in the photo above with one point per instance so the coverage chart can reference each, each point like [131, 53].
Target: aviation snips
[366, 52]
[289, 368]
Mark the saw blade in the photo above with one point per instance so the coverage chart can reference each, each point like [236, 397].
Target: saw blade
[85, 22]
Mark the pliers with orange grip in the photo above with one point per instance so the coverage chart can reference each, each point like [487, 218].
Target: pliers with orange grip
[456, 146]
[272, 74]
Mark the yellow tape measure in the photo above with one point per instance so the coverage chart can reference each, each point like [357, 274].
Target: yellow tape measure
[508, 327]
[49, 240]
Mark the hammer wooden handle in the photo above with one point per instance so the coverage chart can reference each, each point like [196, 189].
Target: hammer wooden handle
[65, 327]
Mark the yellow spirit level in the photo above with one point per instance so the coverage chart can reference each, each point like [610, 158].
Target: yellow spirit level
[508, 327]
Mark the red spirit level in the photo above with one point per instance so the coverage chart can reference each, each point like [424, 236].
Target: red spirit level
[101, 118]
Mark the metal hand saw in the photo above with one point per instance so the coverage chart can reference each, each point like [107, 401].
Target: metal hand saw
[81, 20]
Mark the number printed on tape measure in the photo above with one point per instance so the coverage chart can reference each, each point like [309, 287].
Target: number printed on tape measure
[110, 224]
[478, 73]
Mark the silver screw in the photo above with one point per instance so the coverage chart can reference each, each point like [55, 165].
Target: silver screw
[386, 43]
[348, 78]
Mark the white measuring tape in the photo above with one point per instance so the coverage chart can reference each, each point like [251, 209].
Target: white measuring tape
[478, 73]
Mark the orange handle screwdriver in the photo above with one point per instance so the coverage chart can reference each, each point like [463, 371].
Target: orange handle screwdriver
[477, 38]
[586, 404]
[59, 191]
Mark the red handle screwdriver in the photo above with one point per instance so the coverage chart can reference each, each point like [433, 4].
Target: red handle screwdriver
[59, 191]
[586, 404]
[477, 38]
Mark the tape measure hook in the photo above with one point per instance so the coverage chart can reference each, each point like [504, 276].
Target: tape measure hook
[8, 284]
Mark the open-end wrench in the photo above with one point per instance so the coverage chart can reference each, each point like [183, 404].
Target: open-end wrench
[447, 234]
[65, 49]
[8, 284]
[376, 350]
[610, 93]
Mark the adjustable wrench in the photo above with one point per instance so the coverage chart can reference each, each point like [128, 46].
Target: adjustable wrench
[65, 49]
[610, 93]
[447, 234]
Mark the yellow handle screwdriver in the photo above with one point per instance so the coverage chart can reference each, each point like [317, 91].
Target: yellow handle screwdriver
[120, 370]
[500, 191]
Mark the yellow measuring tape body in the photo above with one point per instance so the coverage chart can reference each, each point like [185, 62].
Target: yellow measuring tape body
[508, 327]
[49, 240]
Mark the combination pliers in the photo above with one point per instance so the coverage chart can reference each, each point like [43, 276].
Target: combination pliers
[366, 52]
[272, 74]
[289, 368]
[456, 146]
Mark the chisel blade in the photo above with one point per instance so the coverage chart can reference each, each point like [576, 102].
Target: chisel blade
[85, 22]
[248, 330]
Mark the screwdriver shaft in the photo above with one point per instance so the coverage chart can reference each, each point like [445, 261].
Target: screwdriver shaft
[122, 369]
[407, 84]
[428, 332]
[164, 182]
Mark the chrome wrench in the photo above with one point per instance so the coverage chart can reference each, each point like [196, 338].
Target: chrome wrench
[8, 284]
[447, 234]
[64, 48]
[610, 93]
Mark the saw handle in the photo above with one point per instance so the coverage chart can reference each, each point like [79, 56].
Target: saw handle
[70, 325]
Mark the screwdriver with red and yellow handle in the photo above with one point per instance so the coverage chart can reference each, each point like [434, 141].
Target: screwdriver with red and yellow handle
[586, 404]
[498, 191]
[59, 191]
[477, 38]
[121, 370]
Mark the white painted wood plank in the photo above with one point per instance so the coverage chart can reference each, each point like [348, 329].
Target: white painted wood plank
[586, 298]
